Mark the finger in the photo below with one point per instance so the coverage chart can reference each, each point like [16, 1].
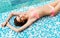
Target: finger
[2, 25]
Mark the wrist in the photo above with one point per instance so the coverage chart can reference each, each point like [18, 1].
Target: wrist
[6, 22]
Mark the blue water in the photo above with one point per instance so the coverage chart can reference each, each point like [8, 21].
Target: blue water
[46, 27]
[8, 5]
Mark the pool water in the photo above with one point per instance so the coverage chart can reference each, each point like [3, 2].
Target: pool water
[8, 5]
[45, 27]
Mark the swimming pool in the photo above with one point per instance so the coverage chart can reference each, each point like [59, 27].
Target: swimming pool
[46, 27]
[7, 5]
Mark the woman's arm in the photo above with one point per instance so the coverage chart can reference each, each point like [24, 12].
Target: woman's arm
[10, 15]
[29, 22]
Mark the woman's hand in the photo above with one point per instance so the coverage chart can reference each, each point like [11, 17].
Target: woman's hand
[7, 24]
[4, 24]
